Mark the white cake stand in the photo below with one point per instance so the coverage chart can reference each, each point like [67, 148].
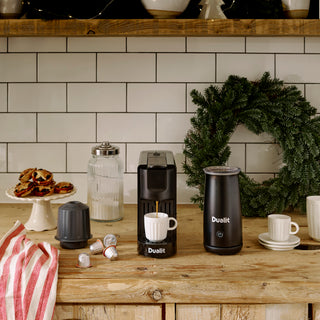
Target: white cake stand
[41, 217]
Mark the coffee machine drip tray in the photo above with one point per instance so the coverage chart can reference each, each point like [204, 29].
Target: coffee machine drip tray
[162, 249]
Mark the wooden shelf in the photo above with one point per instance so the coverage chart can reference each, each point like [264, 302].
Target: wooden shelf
[159, 27]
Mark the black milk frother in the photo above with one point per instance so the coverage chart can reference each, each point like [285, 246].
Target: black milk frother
[222, 222]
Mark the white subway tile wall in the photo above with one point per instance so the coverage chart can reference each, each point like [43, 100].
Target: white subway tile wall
[172, 127]
[156, 44]
[248, 65]
[212, 44]
[115, 44]
[275, 45]
[3, 159]
[126, 127]
[35, 44]
[312, 45]
[18, 67]
[59, 97]
[3, 97]
[182, 67]
[3, 44]
[313, 95]
[96, 97]
[54, 156]
[155, 97]
[66, 127]
[66, 67]
[18, 127]
[298, 68]
[37, 97]
[126, 67]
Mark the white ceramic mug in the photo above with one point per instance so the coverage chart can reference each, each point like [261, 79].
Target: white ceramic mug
[279, 227]
[156, 225]
[313, 217]
[296, 9]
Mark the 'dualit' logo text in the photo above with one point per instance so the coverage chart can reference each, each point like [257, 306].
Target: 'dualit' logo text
[221, 220]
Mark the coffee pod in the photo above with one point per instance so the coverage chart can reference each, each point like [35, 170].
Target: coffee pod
[83, 261]
[110, 239]
[111, 252]
[96, 247]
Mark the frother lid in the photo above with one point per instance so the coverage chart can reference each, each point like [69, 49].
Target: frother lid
[221, 170]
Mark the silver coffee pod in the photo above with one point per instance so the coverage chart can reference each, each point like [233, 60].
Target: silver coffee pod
[96, 247]
[111, 252]
[83, 261]
[110, 239]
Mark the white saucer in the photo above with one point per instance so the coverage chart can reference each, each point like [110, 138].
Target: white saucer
[291, 243]
[279, 248]
[264, 238]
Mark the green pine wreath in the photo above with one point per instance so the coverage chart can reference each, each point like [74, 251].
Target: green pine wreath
[262, 106]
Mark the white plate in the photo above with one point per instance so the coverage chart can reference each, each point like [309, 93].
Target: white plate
[264, 238]
[54, 196]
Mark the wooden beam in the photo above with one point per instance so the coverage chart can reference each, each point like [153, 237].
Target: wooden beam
[159, 27]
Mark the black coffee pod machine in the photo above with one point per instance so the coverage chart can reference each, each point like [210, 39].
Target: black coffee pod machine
[157, 185]
[222, 219]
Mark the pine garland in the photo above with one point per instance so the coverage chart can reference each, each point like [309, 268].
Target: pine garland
[262, 106]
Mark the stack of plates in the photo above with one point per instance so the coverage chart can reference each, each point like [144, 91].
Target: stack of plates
[265, 240]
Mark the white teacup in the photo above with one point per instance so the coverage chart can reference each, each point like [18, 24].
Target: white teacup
[156, 226]
[279, 227]
[313, 217]
[296, 9]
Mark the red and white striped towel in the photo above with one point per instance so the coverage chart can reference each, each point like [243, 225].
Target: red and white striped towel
[28, 276]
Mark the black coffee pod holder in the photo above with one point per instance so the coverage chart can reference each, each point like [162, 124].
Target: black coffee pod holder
[73, 230]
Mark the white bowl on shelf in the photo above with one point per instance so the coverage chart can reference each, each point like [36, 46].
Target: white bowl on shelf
[165, 9]
[296, 9]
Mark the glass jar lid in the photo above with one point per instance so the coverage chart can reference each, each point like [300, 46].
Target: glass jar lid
[105, 149]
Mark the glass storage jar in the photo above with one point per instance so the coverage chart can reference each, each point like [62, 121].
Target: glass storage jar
[105, 183]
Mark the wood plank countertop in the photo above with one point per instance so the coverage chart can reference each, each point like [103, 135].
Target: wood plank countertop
[254, 275]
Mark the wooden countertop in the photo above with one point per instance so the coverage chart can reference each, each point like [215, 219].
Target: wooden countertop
[255, 275]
